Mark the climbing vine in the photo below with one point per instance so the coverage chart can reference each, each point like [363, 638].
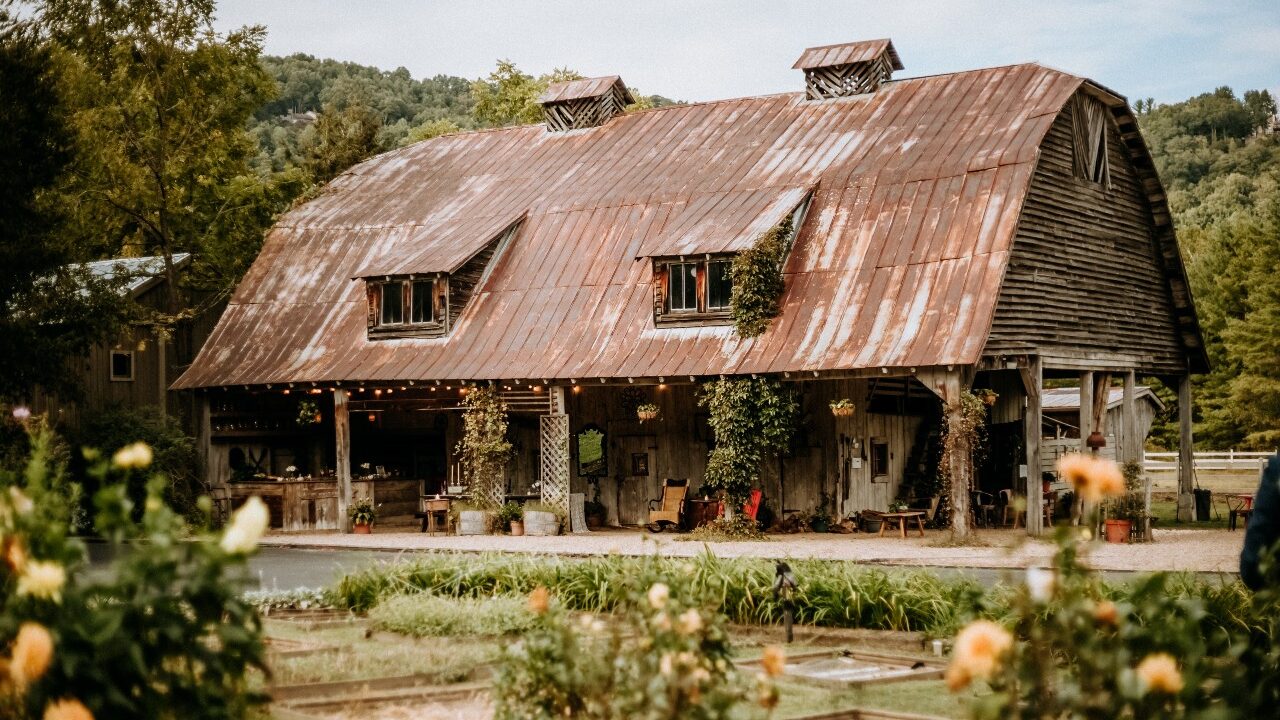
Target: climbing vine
[963, 434]
[753, 419]
[757, 280]
[484, 449]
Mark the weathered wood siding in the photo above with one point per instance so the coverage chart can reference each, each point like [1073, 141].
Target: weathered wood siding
[1083, 281]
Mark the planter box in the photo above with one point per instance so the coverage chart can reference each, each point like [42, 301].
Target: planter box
[473, 522]
[541, 523]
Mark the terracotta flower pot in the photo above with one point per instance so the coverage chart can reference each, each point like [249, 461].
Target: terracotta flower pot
[1118, 531]
[362, 529]
[517, 527]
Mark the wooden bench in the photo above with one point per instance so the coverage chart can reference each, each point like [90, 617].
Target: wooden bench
[902, 519]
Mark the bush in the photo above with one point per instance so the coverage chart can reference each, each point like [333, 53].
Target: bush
[423, 615]
[174, 452]
[163, 634]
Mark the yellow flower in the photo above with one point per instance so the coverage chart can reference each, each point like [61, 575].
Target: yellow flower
[540, 600]
[661, 621]
[978, 650]
[956, 677]
[247, 527]
[690, 622]
[774, 661]
[1092, 477]
[658, 595]
[666, 663]
[68, 709]
[32, 651]
[1106, 613]
[135, 455]
[42, 580]
[1159, 673]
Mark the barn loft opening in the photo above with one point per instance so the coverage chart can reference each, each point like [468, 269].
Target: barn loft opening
[587, 103]
[1089, 118]
[847, 69]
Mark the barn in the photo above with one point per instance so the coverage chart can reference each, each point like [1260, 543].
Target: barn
[988, 228]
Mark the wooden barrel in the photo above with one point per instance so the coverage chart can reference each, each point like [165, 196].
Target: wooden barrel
[540, 523]
[473, 522]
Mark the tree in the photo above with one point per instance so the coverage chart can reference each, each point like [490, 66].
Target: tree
[160, 102]
[510, 97]
[340, 138]
[429, 130]
[50, 308]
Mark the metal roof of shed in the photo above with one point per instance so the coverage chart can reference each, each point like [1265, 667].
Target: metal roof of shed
[847, 53]
[919, 187]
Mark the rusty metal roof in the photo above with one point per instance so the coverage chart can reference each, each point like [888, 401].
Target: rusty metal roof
[918, 191]
[846, 53]
[584, 88]
[1068, 398]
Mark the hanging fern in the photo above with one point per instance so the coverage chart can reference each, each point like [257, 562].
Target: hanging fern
[757, 280]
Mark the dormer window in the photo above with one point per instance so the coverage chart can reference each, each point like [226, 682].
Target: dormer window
[408, 307]
[696, 290]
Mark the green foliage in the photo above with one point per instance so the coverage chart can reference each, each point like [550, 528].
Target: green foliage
[753, 419]
[757, 280]
[423, 615]
[429, 130]
[736, 528]
[963, 434]
[175, 456]
[510, 96]
[340, 138]
[363, 512]
[662, 655]
[50, 310]
[162, 634]
[509, 513]
[1130, 505]
[484, 448]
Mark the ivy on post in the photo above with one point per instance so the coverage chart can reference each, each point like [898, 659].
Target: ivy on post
[484, 449]
[753, 419]
[965, 421]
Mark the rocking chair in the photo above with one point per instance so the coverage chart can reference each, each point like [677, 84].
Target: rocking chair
[669, 507]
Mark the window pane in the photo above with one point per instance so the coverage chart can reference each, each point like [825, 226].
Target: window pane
[719, 286]
[392, 304]
[879, 459]
[682, 287]
[121, 366]
[422, 292]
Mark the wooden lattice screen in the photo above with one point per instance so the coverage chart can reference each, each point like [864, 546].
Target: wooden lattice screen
[554, 440]
[1089, 118]
[857, 78]
[584, 112]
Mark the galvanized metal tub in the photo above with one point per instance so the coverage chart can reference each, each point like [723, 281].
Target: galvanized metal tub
[473, 522]
[537, 522]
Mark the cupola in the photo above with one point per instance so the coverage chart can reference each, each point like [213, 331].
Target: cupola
[848, 69]
[586, 103]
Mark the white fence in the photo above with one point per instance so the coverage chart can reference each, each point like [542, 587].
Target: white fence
[1226, 460]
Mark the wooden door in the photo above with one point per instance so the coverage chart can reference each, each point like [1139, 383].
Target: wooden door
[634, 471]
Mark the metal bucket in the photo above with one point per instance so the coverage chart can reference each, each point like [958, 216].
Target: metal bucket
[473, 522]
[541, 523]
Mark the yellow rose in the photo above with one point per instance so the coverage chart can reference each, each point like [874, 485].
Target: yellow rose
[134, 455]
[247, 527]
[1159, 673]
[774, 661]
[658, 595]
[67, 709]
[42, 580]
[32, 651]
[690, 622]
[1092, 477]
[979, 648]
[1106, 613]
[540, 600]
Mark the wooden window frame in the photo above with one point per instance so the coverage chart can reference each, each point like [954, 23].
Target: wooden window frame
[873, 462]
[376, 289]
[430, 303]
[111, 366]
[665, 316]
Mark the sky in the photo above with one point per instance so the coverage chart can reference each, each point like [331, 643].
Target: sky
[711, 49]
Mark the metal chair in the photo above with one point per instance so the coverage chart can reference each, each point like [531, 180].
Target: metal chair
[670, 505]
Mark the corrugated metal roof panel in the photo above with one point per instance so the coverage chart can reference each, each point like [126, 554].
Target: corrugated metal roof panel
[846, 53]
[584, 88]
[919, 186]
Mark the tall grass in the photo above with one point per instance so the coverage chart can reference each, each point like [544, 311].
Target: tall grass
[426, 615]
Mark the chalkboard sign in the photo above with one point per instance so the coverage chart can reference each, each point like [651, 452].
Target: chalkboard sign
[577, 513]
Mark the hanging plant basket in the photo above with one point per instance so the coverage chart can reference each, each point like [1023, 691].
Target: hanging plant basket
[648, 412]
[308, 413]
[988, 397]
[842, 408]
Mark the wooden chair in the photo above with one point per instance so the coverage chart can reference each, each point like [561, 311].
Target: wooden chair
[984, 511]
[1239, 507]
[669, 507]
[1019, 509]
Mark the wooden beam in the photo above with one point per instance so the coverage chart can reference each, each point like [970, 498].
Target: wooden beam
[1186, 468]
[1130, 444]
[342, 437]
[1086, 409]
[1101, 396]
[1032, 381]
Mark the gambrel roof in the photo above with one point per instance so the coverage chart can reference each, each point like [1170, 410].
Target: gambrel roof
[917, 190]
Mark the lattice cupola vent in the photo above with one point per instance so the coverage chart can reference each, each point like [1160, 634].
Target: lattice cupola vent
[856, 68]
[587, 103]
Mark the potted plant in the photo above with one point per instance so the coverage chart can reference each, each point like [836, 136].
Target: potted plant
[308, 413]
[820, 520]
[363, 513]
[898, 505]
[1127, 509]
[842, 408]
[647, 411]
[511, 518]
[987, 396]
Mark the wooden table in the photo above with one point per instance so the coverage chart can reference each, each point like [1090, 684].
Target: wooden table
[430, 507]
[902, 519]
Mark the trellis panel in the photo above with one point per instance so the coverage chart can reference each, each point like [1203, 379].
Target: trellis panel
[554, 441]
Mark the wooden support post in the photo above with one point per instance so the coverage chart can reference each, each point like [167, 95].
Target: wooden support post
[960, 462]
[204, 438]
[1186, 457]
[1086, 427]
[342, 436]
[1130, 443]
[1033, 382]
